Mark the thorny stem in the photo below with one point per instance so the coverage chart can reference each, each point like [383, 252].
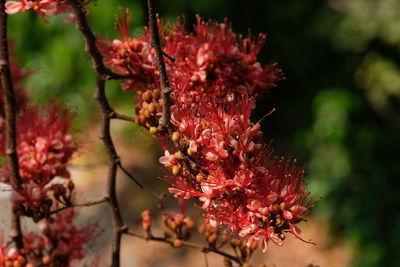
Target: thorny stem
[102, 74]
[186, 244]
[10, 117]
[164, 82]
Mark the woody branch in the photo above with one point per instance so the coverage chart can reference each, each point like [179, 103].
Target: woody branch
[10, 118]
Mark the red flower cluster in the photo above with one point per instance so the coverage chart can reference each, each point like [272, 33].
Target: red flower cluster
[44, 149]
[219, 155]
[42, 7]
[60, 243]
[12, 257]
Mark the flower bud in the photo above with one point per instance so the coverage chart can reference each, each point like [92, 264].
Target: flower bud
[147, 96]
[21, 259]
[200, 177]
[190, 152]
[274, 208]
[176, 170]
[153, 130]
[178, 243]
[146, 220]
[147, 114]
[178, 155]
[152, 108]
[227, 262]
[159, 107]
[282, 236]
[212, 238]
[188, 223]
[156, 94]
[46, 259]
[12, 253]
[176, 136]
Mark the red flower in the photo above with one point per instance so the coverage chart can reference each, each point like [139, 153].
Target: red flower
[43, 7]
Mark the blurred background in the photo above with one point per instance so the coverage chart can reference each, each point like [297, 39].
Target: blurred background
[338, 112]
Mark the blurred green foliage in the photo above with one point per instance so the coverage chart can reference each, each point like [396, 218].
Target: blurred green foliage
[338, 109]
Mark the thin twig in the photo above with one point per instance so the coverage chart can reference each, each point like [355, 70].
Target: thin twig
[102, 75]
[115, 115]
[139, 184]
[10, 117]
[85, 204]
[206, 259]
[186, 244]
[164, 82]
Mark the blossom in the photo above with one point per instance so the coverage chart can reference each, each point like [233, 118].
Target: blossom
[60, 241]
[42, 7]
[219, 156]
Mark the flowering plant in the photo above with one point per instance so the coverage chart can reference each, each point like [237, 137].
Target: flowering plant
[197, 104]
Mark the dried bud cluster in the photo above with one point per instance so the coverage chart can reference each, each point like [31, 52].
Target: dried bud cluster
[219, 156]
[212, 235]
[179, 227]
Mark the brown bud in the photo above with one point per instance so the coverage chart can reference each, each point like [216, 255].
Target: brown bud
[46, 259]
[282, 236]
[152, 108]
[178, 243]
[176, 136]
[274, 208]
[188, 223]
[176, 170]
[212, 238]
[200, 177]
[244, 244]
[235, 242]
[227, 262]
[159, 108]
[178, 155]
[147, 114]
[156, 94]
[190, 152]
[147, 96]
[202, 229]
[153, 130]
